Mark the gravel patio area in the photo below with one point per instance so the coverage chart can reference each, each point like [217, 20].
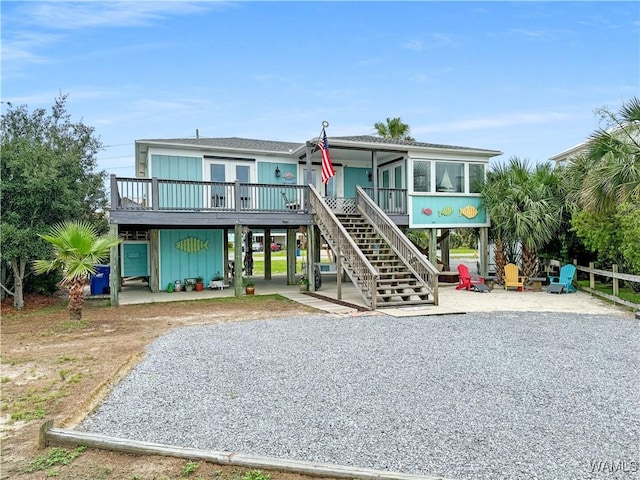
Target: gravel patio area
[500, 395]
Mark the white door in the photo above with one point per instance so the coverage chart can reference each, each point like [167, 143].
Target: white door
[391, 178]
[229, 172]
[332, 189]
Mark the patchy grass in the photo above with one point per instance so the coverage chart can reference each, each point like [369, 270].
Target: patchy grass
[463, 251]
[34, 404]
[65, 359]
[70, 325]
[254, 475]
[189, 468]
[54, 457]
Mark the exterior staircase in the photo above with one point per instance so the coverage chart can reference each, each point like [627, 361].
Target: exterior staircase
[397, 285]
[380, 260]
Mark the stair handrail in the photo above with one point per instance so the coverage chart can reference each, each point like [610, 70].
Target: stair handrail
[398, 241]
[360, 270]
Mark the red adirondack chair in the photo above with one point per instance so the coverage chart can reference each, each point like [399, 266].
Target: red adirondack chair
[466, 280]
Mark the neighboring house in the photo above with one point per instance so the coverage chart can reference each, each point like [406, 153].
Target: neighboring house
[189, 194]
[563, 157]
[630, 135]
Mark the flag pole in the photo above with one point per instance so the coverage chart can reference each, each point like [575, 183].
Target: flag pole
[325, 124]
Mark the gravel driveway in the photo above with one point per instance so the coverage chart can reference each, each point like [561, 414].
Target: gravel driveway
[478, 396]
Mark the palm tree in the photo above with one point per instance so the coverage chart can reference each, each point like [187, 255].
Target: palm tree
[496, 188]
[76, 249]
[394, 128]
[608, 173]
[525, 206]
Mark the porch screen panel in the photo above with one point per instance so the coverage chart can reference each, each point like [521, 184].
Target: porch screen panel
[178, 195]
[422, 176]
[450, 177]
[476, 177]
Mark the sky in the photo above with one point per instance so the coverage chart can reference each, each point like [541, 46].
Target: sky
[524, 78]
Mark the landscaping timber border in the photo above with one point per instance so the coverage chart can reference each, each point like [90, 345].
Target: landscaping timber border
[57, 436]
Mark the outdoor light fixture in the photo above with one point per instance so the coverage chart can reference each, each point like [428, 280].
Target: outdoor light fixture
[369, 176]
[277, 172]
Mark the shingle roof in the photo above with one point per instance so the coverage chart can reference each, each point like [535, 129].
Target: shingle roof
[404, 143]
[289, 147]
[232, 142]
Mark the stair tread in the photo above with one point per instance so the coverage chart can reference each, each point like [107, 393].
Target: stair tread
[407, 303]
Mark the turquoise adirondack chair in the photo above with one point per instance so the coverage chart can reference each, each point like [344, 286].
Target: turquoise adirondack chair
[565, 279]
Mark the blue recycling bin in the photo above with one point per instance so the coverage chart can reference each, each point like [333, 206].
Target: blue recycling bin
[100, 281]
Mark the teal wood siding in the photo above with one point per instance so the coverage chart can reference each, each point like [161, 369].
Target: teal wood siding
[178, 264]
[172, 167]
[271, 199]
[135, 257]
[355, 176]
[447, 211]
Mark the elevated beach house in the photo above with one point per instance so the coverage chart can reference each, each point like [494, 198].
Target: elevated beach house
[190, 194]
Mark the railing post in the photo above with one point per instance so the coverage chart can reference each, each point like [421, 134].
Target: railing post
[306, 205]
[615, 280]
[592, 277]
[155, 196]
[236, 195]
[114, 192]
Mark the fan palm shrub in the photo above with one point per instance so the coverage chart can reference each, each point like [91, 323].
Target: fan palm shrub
[77, 248]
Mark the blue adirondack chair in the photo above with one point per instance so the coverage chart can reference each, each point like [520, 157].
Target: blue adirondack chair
[565, 279]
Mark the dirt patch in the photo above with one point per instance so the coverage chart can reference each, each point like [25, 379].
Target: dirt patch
[54, 368]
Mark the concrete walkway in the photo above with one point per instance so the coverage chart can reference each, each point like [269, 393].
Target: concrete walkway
[351, 303]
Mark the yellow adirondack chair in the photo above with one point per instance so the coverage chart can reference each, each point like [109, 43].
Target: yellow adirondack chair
[512, 277]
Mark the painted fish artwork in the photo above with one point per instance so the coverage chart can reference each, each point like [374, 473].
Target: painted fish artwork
[469, 211]
[445, 212]
[192, 245]
[427, 211]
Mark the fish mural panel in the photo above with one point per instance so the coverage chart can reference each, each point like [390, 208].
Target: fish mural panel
[469, 211]
[445, 212]
[427, 211]
[192, 245]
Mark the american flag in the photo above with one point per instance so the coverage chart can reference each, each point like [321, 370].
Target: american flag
[327, 167]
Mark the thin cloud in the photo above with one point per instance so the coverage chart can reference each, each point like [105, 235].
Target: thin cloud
[77, 15]
[499, 121]
[415, 45]
[20, 47]
[531, 33]
[433, 40]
